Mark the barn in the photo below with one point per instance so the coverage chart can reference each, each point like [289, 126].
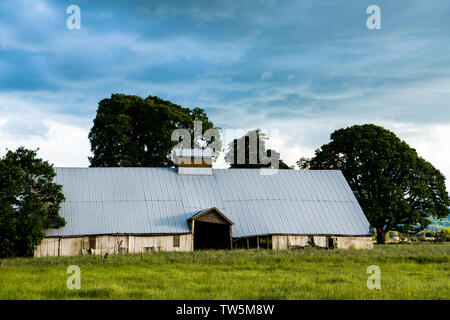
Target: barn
[194, 207]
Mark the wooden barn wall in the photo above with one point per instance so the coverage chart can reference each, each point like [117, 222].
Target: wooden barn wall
[355, 243]
[111, 244]
[284, 242]
[135, 244]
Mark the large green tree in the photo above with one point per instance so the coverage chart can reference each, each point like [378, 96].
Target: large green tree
[255, 155]
[130, 131]
[29, 202]
[397, 189]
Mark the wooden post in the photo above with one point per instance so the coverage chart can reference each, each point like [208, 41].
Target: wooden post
[192, 238]
[231, 237]
[248, 244]
[257, 243]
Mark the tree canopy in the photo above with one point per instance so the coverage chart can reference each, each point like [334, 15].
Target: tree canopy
[397, 189]
[29, 202]
[130, 131]
[250, 152]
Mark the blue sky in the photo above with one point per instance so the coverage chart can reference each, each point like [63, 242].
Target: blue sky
[298, 68]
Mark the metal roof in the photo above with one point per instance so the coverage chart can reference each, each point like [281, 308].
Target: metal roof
[159, 201]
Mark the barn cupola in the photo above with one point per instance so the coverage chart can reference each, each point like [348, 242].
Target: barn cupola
[193, 161]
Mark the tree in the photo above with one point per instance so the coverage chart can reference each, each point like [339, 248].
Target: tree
[304, 163]
[130, 131]
[29, 202]
[252, 147]
[444, 234]
[397, 189]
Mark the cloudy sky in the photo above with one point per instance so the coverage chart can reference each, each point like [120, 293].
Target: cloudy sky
[298, 69]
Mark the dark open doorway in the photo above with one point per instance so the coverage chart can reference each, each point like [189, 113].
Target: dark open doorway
[211, 230]
[211, 236]
[331, 242]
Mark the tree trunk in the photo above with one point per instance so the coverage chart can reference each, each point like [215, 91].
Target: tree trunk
[381, 236]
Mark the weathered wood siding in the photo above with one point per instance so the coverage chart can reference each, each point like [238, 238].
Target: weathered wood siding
[160, 243]
[212, 217]
[355, 243]
[48, 247]
[285, 242]
[135, 244]
[111, 244]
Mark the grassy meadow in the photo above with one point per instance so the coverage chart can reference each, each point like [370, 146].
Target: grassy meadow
[408, 271]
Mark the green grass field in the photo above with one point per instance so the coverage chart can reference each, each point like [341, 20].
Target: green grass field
[409, 271]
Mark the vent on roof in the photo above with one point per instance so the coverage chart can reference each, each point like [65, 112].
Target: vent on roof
[193, 161]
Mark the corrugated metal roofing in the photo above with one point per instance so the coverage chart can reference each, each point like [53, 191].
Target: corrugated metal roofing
[158, 200]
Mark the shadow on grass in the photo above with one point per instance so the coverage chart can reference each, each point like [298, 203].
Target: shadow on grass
[78, 294]
[429, 259]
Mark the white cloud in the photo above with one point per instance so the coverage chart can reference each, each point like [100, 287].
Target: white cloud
[432, 142]
[65, 145]
[62, 139]
[300, 137]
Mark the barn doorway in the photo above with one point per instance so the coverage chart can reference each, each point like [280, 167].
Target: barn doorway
[211, 230]
[331, 242]
[211, 236]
